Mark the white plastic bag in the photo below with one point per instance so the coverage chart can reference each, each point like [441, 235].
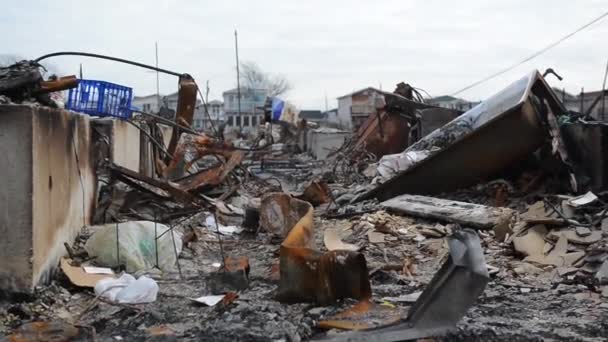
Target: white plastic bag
[137, 249]
[109, 287]
[127, 290]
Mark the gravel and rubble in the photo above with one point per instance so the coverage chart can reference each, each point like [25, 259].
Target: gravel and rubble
[523, 301]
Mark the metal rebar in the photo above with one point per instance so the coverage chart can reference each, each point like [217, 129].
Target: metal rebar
[117, 247]
[156, 239]
[179, 267]
[115, 59]
[219, 237]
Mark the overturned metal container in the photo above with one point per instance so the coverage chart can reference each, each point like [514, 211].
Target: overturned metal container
[477, 145]
[451, 293]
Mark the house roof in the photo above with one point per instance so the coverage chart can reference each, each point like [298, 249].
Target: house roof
[593, 94]
[243, 90]
[172, 95]
[146, 96]
[311, 114]
[360, 91]
[562, 94]
[216, 102]
[444, 98]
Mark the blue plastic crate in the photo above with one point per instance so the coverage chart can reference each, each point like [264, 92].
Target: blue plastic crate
[101, 98]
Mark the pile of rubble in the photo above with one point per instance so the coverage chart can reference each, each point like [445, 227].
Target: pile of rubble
[464, 235]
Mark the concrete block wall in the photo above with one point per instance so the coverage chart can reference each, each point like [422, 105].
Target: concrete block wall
[48, 184]
[47, 193]
[320, 144]
[126, 145]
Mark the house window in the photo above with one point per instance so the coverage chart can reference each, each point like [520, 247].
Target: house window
[254, 121]
[230, 121]
[245, 121]
[238, 121]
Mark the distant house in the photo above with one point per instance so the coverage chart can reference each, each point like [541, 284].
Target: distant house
[332, 117]
[585, 102]
[315, 116]
[355, 107]
[451, 102]
[251, 108]
[148, 104]
[215, 108]
[171, 101]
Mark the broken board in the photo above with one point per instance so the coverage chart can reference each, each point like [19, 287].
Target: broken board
[467, 214]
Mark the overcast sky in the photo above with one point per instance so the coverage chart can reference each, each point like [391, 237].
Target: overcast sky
[325, 48]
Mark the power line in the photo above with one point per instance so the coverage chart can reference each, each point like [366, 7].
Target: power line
[532, 56]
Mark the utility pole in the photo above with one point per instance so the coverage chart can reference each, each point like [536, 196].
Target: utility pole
[326, 109]
[207, 103]
[238, 76]
[582, 100]
[158, 104]
[604, 92]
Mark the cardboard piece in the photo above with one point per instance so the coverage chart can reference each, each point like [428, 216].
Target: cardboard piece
[585, 199]
[375, 237]
[533, 242]
[97, 270]
[333, 242]
[79, 277]
[209, 300]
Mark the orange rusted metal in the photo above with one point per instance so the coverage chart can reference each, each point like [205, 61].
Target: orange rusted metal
[383, 134]
[192, 147]
[240, 264]
[186, 102]
[316, 193]
[307, 275]
[229, 298]
[478, 144]
[211, 176]
[63, 83]
[279, 213]
[56, 331]
[362, 316]
[157, 186]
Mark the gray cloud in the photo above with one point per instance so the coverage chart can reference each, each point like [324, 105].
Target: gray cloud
[323, 47]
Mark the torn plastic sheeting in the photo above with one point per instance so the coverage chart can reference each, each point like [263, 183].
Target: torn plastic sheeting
[479, 143]
[127, 289]
[391, 164]
[449, 295]
[214, 226]
[138, 246]
[307, 275]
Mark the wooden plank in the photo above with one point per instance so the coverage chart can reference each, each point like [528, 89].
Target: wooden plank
[466, 214]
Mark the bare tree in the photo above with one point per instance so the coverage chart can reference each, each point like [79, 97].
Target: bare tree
[252, 76]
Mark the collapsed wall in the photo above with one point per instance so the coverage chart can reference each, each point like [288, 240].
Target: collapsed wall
[49, 185]
[48, 190]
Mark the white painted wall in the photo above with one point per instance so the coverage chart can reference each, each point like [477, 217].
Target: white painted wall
[344, 115]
